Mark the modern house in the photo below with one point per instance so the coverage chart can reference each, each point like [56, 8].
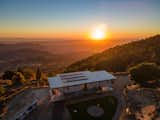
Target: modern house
[76, 83]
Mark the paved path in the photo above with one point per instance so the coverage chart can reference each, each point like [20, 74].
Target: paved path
[22, 100]
[120, 83]
[43, 110]
[121, 105]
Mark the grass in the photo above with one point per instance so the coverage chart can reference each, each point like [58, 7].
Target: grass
[108, 104]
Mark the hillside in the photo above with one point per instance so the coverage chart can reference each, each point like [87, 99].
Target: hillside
[120, 58]
[54, 55]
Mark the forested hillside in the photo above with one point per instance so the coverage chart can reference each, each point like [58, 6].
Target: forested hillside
[120, 58]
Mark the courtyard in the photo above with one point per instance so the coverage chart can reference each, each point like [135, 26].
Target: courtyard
[102, 108]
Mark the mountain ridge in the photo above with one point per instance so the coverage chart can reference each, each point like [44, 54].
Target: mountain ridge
[121, 57]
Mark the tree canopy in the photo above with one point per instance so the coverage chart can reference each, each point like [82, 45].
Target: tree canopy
[144, 73]
[8, 75]
[18, 79]
[2, 90]
[28, 73]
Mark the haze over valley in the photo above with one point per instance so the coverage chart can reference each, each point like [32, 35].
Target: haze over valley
[53, 55]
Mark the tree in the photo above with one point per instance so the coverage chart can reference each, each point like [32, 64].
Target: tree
[157, 54]
[38, 74]
[18, 79]
[9, 82]
[144, 73]
[8, 75]
[44, 79]
[28, 73]
[2, 90]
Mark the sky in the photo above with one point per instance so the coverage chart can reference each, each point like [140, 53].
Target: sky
[74, 19]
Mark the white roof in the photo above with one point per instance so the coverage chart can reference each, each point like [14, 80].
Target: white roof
[77, 78]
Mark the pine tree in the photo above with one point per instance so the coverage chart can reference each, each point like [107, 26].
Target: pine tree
[38, 75]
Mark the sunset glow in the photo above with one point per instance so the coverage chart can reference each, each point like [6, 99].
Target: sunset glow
[99, 33]
[79, 20]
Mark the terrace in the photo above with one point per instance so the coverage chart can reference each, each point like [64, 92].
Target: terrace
[67, 85]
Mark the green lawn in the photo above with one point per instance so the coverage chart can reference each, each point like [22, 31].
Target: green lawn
[108, 104]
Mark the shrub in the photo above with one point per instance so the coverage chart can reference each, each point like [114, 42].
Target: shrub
[144, 73]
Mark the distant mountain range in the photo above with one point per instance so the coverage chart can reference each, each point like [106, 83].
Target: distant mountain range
[12, 56]
[120, 58]
[53, 55]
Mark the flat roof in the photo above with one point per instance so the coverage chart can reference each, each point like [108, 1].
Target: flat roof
[78, 78]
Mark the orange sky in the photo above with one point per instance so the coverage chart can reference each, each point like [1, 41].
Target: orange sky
[64, 19]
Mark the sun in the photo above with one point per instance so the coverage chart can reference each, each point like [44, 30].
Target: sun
[99, 33]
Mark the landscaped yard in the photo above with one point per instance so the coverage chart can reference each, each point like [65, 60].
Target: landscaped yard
[95, 109]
